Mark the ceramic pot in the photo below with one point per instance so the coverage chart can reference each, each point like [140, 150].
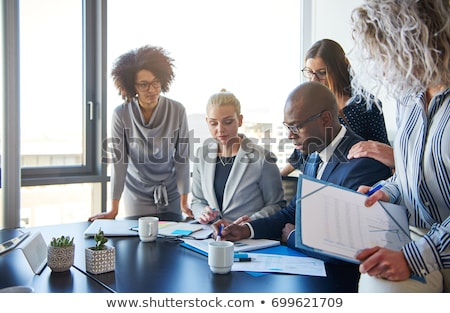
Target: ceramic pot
[60, 259]
[100, 261]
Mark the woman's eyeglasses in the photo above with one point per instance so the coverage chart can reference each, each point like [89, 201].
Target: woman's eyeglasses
[145, 86]
[309, 73]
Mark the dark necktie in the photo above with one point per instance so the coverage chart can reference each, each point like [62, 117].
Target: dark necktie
[312, 164]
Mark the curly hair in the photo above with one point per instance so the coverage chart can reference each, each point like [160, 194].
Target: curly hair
[403, 44]
[151, 58]
[338, 66]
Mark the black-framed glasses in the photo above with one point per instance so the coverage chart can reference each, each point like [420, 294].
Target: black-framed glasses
[309, 73]
[295, 129]
[144, 86]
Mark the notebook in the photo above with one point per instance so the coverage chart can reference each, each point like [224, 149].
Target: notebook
[117, 228]
[244, 245]
[182, 229]
[112, 228]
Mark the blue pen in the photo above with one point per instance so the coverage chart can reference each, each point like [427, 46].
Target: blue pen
[376, 187]
[219, 233]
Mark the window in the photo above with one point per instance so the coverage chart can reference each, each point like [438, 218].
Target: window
[60, 120]
[51, 83]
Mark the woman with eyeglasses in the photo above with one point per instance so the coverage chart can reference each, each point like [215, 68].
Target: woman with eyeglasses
[149, 145]
[326, 63]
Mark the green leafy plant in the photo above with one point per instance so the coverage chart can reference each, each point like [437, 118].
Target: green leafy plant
[63, 241]
[100, 240]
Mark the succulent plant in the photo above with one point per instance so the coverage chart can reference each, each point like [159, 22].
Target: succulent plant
[100, 240]
[63, 241]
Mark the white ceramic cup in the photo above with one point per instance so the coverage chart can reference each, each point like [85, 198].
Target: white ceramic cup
[220, 256]
[148, 228]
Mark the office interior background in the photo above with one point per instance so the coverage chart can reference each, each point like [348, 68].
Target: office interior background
[57, 94]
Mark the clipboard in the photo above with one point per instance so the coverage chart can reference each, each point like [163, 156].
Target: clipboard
[332, 221]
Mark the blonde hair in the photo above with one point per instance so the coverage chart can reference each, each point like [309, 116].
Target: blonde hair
[403, 44]
[223, 98]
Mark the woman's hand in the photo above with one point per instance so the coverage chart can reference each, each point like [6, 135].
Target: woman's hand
[103, 215]
[208, 215]
[376, 196]
[188, 212]
[384, 263]
[375, 150]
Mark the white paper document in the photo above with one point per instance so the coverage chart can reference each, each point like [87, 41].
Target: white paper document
[275, 263]
[335, 221]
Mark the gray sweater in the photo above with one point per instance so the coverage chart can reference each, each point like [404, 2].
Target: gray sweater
[150, 156]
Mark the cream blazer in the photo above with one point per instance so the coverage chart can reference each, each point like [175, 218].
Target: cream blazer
[253, 188]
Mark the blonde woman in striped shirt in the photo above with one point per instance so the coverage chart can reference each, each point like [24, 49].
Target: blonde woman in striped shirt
[406, 46]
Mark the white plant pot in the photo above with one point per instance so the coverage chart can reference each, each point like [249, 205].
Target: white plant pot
[60, 259]
[100, 261]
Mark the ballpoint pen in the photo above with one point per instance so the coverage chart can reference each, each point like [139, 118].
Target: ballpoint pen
[219, 234]
[376, 187]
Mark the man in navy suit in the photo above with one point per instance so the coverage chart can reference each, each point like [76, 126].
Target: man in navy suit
[311, 116]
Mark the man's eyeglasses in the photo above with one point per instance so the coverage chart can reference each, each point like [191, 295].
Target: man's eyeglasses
[320, 74]
[295, 129]
[144, 86]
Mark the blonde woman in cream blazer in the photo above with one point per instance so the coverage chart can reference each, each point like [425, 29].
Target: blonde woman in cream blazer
[233, 178]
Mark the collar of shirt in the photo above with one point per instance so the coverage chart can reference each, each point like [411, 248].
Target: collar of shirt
[326, 153]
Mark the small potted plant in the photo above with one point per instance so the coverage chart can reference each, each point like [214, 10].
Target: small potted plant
[100, 258]
[61, 253]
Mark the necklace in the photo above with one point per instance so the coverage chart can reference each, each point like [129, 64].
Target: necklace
[226, 160]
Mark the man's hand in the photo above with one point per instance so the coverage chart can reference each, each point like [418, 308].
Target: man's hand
[231, 231]
[287, 229]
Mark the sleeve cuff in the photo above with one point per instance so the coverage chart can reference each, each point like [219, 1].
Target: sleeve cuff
[252, 233]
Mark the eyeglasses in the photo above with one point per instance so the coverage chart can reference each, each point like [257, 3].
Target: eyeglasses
[295, 129]
[144, 86]
[320, 74]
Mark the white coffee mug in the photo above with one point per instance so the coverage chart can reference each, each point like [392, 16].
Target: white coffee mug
[148, 228]
[220, 256]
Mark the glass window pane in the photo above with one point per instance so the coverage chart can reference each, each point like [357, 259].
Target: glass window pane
[51, 83]
[58, 204]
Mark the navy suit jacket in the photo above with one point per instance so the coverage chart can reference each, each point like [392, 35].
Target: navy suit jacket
[340, 171]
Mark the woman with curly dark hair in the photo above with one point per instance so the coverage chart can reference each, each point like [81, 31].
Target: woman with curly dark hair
[150, 139]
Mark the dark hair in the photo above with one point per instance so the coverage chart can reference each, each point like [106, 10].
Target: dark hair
[338, 66]
[153, 59]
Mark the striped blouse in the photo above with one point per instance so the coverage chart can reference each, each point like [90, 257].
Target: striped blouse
[422, 178]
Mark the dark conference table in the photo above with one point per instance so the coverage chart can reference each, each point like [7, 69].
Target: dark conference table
[162, 266]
